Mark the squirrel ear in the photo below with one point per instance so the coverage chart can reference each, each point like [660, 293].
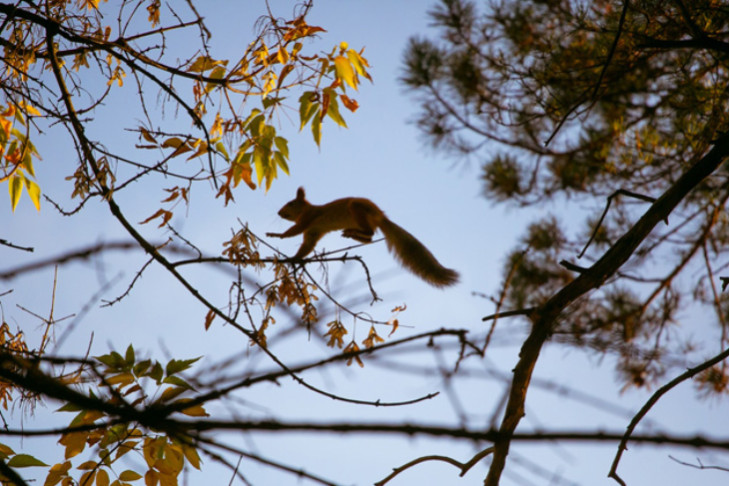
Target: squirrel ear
[300, 194]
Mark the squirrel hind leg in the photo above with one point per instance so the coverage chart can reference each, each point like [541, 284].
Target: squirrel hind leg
[363, 236]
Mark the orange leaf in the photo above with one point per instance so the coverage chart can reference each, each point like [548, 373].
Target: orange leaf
[349, 103]
[353, 348]
[166, 216]
[209, 319]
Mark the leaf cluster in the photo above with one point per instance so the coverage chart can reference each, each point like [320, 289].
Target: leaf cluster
[233, 105]
[124, 381]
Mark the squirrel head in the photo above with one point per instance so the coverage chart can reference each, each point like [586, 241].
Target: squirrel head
[293, 209]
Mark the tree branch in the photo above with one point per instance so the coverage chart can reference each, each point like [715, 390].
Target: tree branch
[545, 317]
[690, 373]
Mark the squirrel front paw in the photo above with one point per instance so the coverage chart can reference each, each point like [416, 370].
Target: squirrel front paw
[274, 235]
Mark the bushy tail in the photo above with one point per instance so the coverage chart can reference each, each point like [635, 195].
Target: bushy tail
[416, 257]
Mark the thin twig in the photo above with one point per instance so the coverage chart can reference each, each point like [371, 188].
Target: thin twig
[688, 374]
[623, 192]
[463, 466]
[609, 59]
[17, 247]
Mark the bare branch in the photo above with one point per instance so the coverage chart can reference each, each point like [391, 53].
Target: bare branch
[690, 373]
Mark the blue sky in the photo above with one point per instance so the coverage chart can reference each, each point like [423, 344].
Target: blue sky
[381, 156]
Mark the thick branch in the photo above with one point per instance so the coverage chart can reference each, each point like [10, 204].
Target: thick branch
[545, 317]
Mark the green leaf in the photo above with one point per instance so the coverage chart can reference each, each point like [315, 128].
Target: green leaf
[260, 161]
[25, 460]
[129, 355]
[267, 135]
[69, 407]
[254, 113]
[282, 145]
[307, 107]
[177, 381]
[177, 365]
[257, 124]
[272, 101]
[316, 128]
[217, 73]
[28, 161]
[281, 161]
[5, 451]
[112, 360]
[157, 373]
[220, 147]
[333, 111]
[141, 367]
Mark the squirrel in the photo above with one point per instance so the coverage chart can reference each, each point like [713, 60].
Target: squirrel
[358, 218]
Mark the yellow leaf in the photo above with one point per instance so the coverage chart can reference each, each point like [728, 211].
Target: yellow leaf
[75, 443]
[6, 126]
[333, 110]
[191, 455]
[102, 478]
[196, 411]
[56, 473]
[243, 172]
[129, 475]
[15, 187]
[218, 72]
[217, 129]
[151, 478]
[31, 109]
[170, 393]
[152, 450]
[33, 191]
[201, 64]
[344, 71]
[91, 416]
[125, 447]
[87, 478]
[202, 148]
[173, 142]
[284, 72]
[174, 458]
[359, 63]
[282, 55]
